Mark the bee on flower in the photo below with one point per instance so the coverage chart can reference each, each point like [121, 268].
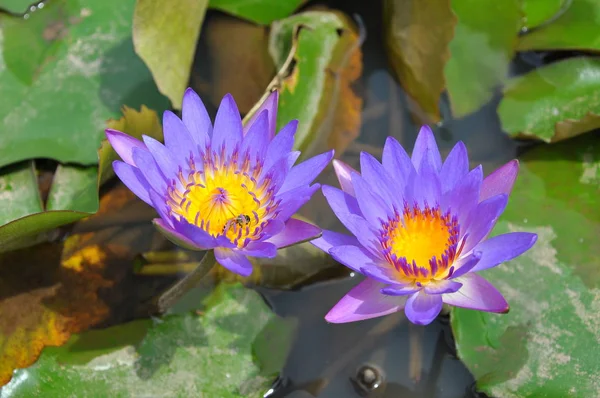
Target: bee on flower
[230, 188]
[420, 231]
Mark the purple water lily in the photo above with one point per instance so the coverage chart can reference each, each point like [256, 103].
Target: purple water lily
[230, 188]
[420, 232]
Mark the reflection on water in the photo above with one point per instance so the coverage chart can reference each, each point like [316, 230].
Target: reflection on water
[404, 360]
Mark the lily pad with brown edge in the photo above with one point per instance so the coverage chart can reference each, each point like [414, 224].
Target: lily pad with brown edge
[65, 70]
[164, 36]
[484, 44]
[575, 28]
[262, 12]
[417, 34]
[234, 347]
[318, 58]
[547, 345]
[553, 102]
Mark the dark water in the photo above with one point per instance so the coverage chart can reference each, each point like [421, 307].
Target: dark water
[405, 360]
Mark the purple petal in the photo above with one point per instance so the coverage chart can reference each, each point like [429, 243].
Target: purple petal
[426, 147]
[427, 188]
[396, 161]
[272, 228]
[330, 239]
[200, 237]
[483, 219]
[466, 264]
[305, 172]
[384, 274]
[295, 231]
[162, 156]
[464, 197]
[281, 145]
[353, 257]
[340, 201]
[158, 202]
[364, 301]
[176, 237]
[477, 294]
[123, 144]
[503, 248]
[177, 137]
[256, 139]
[455, 168]
[372, 206]
[234, 261]
[196, 118]
[228, 126]
[270, 104]
[423, 308]
[149, 169]
[293, 200]
[380, 181]
[400, 290]
[133, 178]
[442, 287]
[500, 181]
[344, 174]
[260, 249]
[360, 228]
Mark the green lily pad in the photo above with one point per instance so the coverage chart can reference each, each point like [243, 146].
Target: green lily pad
[574, 29]
[538, 12]
[16, 6]
[483, 45]
[164, 36]
[548, 344]
[65, 70]
[259, 11]
[318, 56]
[417, 34]
[553, 102]
[216, 354]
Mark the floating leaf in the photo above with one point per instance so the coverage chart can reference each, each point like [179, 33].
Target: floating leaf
[134, 123]
[164, 36]
[259, 11]
[318, 56]
[574, 29]
[15, 6]
[179, 355]
[417, 34]
[481, 50]
[91, 73]
[547, 345]
[74, 188]
[235, 60]
[553, 102]
[538, 12]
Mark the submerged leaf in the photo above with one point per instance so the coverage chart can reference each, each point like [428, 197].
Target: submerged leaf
[179, 355]
[259, 11]
[164, 36]
[134, 123]
[576, 28]
[233, 58]
[318, 55]
[553, 102]
[417, 34]
[547, 345]
[91, 73]
[481, 50]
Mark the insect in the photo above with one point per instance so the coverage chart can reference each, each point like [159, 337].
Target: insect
[240, 220]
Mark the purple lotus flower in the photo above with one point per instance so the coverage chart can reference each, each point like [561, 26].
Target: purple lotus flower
[420, 229]
[230, 188]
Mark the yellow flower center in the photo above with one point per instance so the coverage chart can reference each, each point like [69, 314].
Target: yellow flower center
[225, 198]
[421, 243]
